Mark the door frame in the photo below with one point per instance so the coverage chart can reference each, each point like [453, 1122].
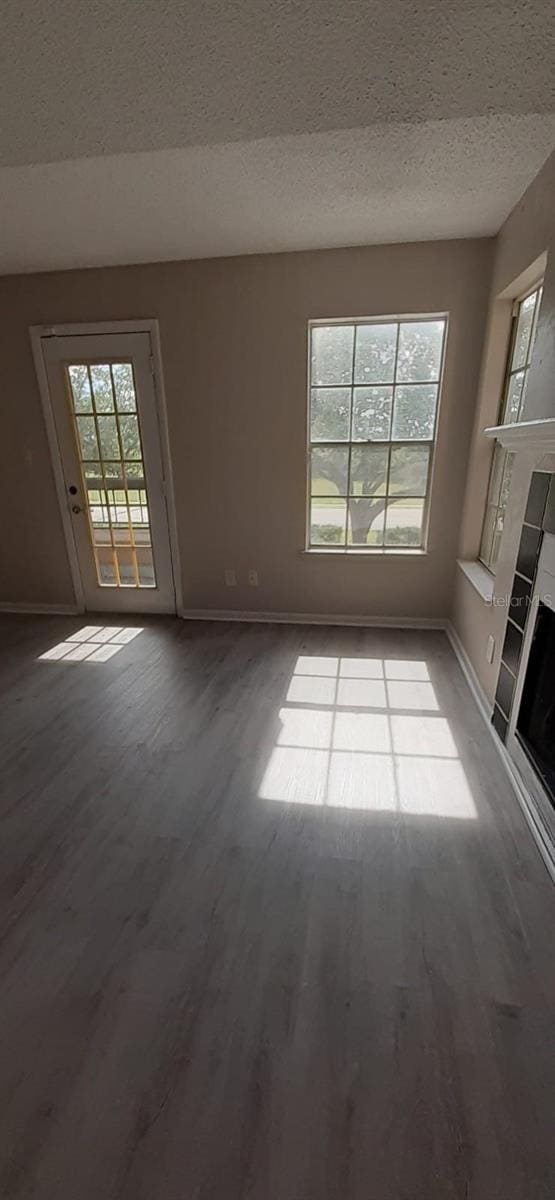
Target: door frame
[37, 334]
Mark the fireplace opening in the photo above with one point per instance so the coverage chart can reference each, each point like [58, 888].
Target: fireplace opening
[536, 718]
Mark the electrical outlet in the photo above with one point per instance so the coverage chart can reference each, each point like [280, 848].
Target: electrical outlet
[490, 649]
[230, 577]
[253, 577]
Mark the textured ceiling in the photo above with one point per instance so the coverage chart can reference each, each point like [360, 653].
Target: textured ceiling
[89, 77]
[139, 130]
[403, 183]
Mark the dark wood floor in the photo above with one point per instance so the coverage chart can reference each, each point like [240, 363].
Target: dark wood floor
[238, 963]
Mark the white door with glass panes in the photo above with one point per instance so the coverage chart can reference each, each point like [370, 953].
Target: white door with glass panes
[103, 401]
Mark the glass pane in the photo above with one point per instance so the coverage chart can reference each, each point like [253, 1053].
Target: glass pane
[105, 567]
[372, 413]
[92, 470]
[330, 414]
[375, 353]
[403, 522]
[124, 387]
[138, 507]
[523, 330]
[487, 534]
[497, 468]
[327, 521]
[332, 354]
[420, 344]
[130, 440]
[506, 481]
[87, 437]
[102, 387]
[113, 473]
[408, 474]
[145, 567]
[126, 567]
[497, 536]
[108, 434]
[98, 507]
[329, 471]
[368, 470]
[80, 388]
[141, 534]
[122, 535]
[414, 412]
[366, 522]
[514, 397]
[102, 536]
[535, 323]
[134, 470]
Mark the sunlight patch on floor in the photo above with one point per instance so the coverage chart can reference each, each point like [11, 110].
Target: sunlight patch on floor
[91, 644]
[334, 749]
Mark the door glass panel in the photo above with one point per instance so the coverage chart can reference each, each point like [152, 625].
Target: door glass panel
[104, 408]
[81, 388]
[108, 437]
[131, 442]
[124, 388]
[86, 430]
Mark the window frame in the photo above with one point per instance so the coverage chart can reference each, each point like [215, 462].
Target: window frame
[389, 444]
[488, 561]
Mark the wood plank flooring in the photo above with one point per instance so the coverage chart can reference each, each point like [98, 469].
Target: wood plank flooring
[272, 924]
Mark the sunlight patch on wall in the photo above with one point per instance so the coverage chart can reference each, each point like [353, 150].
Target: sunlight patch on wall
[91, 644]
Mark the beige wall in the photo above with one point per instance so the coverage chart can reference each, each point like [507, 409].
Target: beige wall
[526, 237]
[234, 342]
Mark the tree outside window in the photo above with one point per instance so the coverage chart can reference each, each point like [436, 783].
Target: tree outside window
[374, 390]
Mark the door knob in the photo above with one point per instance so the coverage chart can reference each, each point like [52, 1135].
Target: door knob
[76, 508]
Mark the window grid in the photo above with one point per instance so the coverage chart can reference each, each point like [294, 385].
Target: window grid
[107, 433]
[519, 358]
[385, 497]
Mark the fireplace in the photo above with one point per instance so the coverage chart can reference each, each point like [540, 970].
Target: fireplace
[536, 717]
[524, 709]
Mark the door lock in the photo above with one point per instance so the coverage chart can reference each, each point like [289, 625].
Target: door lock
[76, 508]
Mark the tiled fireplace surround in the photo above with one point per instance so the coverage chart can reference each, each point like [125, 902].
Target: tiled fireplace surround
[519, 588]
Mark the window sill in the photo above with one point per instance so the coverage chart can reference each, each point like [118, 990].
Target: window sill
[478, 575]
[377, 553]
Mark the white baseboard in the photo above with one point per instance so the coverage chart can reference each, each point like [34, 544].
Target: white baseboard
[484, 704]
[18, 606]
[517, 783]
[211, 614]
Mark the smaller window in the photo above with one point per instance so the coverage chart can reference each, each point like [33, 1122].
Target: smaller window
[523, 336]
[374, 392]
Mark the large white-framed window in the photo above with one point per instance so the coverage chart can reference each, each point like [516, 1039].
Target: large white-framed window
[521, 346]
[374, 390]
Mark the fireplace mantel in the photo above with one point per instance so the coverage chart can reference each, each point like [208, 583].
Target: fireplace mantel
[526, 435]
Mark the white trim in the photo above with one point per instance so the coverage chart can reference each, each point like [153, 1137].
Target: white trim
[478, 575]
[525, 435]
[343, 552]
[93, 328]
[37, 332]
[80, 329]
[303, 618]
[162, 408]
[20, 606]
[485, 707]
[482, 701]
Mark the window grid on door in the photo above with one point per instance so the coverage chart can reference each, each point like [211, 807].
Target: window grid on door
[519, 358]
[373, 401]
[103, 403]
